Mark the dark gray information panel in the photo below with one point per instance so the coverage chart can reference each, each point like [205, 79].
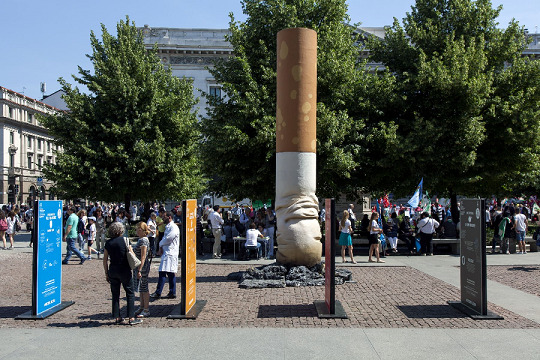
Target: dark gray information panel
[473, 255]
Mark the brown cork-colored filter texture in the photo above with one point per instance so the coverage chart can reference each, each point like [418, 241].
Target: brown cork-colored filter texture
[296, 113]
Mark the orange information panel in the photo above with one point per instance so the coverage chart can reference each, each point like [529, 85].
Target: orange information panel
[189, 256]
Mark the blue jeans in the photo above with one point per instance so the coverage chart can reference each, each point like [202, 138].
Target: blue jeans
[520, 235]
[258, 246]
[70, 249]
[161, 282]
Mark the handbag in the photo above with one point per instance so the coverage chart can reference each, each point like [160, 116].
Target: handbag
[132, 259]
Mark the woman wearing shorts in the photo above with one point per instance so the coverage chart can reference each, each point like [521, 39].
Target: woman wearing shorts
[140, 273]
[345, 239]
[374, 231]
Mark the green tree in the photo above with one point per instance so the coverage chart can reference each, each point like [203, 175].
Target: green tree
[133, 135]
[238, 147]
[465, 103]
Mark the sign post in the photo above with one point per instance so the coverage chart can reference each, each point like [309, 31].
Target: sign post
[189, 307]
[473, 270]
[330, 307]
[47, 261]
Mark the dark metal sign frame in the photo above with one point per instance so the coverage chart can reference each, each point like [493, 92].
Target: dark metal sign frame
[473, 267]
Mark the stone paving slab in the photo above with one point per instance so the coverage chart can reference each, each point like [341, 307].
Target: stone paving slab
[384, 297]
[270, 343]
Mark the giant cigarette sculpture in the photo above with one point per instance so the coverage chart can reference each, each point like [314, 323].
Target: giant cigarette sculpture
[298, 232]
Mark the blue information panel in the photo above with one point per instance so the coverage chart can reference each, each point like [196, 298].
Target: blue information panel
[48, 282]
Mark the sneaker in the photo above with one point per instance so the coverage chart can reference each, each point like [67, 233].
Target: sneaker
[89, 258]
[170, 296]
[135, 321]
[82, 261]
[144, 314]
[524, 252]
[139, 310]
[380, 261]
[155, 295]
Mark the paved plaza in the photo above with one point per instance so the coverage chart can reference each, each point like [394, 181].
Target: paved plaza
[395, 310]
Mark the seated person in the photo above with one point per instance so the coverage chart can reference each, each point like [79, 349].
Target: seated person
[251, 238]
[364, 225]
[406, 233]
[449, 229]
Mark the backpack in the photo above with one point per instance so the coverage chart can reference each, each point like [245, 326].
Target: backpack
[80, 227]
[3, 225]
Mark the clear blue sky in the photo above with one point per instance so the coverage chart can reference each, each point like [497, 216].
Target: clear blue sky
[44, 40]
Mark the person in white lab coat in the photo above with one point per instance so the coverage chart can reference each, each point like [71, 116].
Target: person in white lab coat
[168, 249]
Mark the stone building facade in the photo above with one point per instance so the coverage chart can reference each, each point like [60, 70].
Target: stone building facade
[25, 147]
[189, 53]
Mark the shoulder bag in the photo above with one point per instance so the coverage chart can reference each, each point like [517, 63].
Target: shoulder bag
[132, 259]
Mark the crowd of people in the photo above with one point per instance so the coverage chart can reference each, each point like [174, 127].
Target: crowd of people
[416, 227]
[511, 223]
[12, 220]
[225, 225]
[102, 229]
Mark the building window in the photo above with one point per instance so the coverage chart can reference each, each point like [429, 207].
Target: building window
[30, 162]
[30, 117]
[20, 114]
[215, 91]
[29, 142]
[11, 138]
[49, 160]
[39, 144]
[10, 111]
[48, 146]
[40, 162]
[11, 160]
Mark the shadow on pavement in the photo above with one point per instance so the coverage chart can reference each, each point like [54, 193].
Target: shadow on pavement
[10, 312]
[430, 312]
[286, 311]
[523, 268]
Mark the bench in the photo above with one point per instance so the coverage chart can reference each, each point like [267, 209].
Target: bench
[454, 243]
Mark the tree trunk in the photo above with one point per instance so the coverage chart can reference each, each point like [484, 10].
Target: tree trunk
[146, 212]
[453, 207]
[127, 205]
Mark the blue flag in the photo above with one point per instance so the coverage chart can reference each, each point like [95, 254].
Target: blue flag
[415, 200]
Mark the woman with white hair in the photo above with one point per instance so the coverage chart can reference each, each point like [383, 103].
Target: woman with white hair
[119, 273]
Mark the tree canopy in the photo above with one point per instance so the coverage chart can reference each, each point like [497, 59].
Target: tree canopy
[465, 104]
[134, 134]
[238, 147]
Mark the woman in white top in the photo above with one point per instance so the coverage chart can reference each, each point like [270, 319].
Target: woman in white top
[374, 231]
[345, 239]
[11, 222]
[152, 227]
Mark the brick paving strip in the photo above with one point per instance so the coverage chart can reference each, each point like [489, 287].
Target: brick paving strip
[521, 277]
[385, 297]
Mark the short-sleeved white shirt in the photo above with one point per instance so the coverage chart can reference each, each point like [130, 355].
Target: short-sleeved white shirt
[345, 229]
[251, 237]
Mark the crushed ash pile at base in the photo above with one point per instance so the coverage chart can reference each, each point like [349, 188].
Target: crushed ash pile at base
[279, 276]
